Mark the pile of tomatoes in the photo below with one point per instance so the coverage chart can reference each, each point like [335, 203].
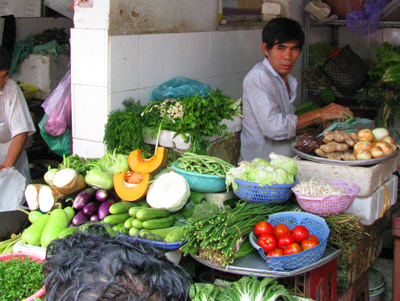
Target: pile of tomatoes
[280, 240]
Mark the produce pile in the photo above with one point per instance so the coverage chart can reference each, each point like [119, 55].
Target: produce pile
[348, 146]
[194, 118]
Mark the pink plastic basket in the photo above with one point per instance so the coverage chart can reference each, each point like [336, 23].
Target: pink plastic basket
[333, 205]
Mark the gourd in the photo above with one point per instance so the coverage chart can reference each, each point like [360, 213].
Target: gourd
[151, 165]
[131, 194]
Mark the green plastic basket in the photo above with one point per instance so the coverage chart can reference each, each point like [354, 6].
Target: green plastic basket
[204, 183]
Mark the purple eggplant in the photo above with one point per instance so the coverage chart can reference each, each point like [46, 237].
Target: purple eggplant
[101, 195]
[94, 218]
[104, 209]
[80, 218]
[91, 208]
[83, 198]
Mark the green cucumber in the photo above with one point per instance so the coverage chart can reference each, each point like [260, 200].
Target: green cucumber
[67, 231]
[133, 210]
[133, 231]
[151, 213]
[136, 223]
[158, 223]
[114, 219]
[147, 234]
[176, 235]
[121, 207]
[122, 230]
[128, 222]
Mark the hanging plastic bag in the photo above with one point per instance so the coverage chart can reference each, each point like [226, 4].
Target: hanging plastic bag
[180, 87]
[12, 186]
[60, 144]
[58, 107]
[366, 21]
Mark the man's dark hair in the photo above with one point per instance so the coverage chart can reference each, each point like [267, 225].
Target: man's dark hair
[100, 267]
[282, 30]
[5, 59]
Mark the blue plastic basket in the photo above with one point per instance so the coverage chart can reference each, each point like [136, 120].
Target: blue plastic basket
[315, 224]
[201, 182]
[254, 193]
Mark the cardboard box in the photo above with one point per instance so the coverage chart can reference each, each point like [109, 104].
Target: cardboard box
[374, 207]
[42, 71]
[368, 178]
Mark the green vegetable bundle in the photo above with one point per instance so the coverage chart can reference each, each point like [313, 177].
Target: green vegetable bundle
[218, 235]
[204, 164]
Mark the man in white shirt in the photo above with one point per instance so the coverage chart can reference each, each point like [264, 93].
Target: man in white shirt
[269, 91]
[15, 121]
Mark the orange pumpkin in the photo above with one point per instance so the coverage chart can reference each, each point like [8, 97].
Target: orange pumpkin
[129, 192]
[151, 165]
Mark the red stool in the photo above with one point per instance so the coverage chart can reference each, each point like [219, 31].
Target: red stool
[396, 256]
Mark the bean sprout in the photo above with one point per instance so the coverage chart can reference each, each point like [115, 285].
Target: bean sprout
[318, 189]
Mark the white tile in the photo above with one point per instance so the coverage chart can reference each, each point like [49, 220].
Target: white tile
[145, 95]
[235, 85]
[88, 149]
[89, 111]
[96, 17]
[117, 99]
[199, 55]
[391, 35]
[124, 56]
[219, 53]
[151, 60]
[219, 82]
[176, 55]
[89, 57]
[237, 50]
[253, 53]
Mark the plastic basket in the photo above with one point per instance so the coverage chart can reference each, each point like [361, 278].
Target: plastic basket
[315, 224]
[201, 182]
[333, 205]
[254, 193]
[4, 257]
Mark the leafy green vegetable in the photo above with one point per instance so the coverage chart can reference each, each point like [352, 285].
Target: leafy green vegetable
[327, 95]
[20, 278]
[284, 162]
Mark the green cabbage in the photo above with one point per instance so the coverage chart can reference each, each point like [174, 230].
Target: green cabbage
[282, 162]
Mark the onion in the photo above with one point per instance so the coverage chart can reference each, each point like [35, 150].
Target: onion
[390, 140]
[363, 155]
[379, 133]
[377, 152]
[386, 147]
[365, 135]
[362, 145]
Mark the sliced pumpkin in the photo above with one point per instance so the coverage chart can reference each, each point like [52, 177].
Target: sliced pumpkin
[129, 192]
[151, 165]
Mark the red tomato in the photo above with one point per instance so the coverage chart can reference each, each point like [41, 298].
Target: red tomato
[300, 233]
[263, 228]
[280, 229]
[267, 242]
[276, 252]
[314, 237]
[308, 244]
[293, 248]
[285, 240]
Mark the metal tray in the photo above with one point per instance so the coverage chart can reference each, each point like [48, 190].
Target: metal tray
[346, 163]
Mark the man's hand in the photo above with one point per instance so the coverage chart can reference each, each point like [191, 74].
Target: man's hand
[334, 111]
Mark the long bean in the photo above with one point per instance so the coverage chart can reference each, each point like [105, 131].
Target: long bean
[204, 164]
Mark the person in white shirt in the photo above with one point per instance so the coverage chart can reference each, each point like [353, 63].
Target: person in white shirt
[269, 91]
[15, 121]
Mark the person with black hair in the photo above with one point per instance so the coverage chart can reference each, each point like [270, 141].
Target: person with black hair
[269, 92]
[100, 267]
[15, 121]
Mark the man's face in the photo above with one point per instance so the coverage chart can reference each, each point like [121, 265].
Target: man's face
[282, 56]
[3, 78]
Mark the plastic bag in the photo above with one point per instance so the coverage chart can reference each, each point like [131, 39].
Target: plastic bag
[61, 144]
[12, 187]
[58, 107]
[353, 125]
[366, 21]
[180, 87]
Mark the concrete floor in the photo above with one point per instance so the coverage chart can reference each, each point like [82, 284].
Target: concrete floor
[385, 266]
